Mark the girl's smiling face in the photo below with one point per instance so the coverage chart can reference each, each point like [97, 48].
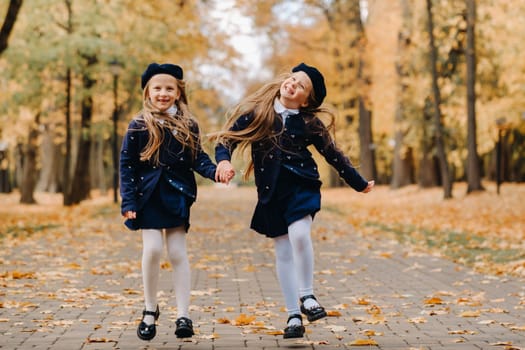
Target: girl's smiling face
[295, 90]
[163, 91]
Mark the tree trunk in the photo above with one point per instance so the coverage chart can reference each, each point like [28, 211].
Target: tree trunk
[50, 171]
[367, 151]
[66, 177]
[29, 162]
[5, 181]
[403, 160]
[66, 171]
[438, 131]
[366, 141]
[9, 23]
[80, 186]
[473, 162]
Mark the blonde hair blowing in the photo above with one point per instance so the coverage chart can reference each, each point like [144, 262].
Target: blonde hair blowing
[179, 125]
[261, 104]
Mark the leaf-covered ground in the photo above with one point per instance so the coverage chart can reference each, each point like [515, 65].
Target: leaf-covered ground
[73, 274]
[482, 230]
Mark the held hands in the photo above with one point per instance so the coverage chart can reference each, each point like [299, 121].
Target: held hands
[369, 187]
[224, 172]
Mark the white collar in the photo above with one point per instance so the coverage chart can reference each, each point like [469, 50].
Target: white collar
[172, 110]
[282, 110]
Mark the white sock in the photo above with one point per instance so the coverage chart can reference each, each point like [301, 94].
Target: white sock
[294, 322]
[176, 244]
[310, 303]
[284, 264]
[303, 253]
[152, 244]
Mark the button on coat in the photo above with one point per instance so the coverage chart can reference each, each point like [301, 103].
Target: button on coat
[291, 151]
[139, 178]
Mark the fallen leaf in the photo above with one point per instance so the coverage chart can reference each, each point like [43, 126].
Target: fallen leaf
[434, 301]
[362, 342]
[243, 320]
[333, 313]
[475, 313]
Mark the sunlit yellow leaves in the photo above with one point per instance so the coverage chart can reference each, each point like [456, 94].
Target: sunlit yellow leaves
[417, 320]
[249, 268]
[434, 301]
[130, 291]
[374, 310]
[470, 313]
[243, 320]
[17, 275]
[403, 214]
[333, 313]
[462, 331]
[362, 301]
[370, 332]
[363, 342]
[100, 340]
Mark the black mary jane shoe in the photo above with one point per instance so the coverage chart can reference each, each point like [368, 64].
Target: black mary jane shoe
[294, 331]
[314, 313]
[148, 331]
[184, 328]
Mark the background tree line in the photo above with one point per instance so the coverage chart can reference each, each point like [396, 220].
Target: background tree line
[423, 89]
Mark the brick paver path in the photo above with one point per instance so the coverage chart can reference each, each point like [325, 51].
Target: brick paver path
[86, 291]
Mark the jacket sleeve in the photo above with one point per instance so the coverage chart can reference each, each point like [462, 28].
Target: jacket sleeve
[225, 151]
[203, 164]
[129, 160]
[326, 146]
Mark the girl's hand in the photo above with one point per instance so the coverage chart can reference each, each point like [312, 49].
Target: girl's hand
[225, 172]
[369, 187]
[130, 215]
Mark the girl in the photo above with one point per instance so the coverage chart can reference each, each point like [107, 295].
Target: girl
[279, 122]
[160, 152]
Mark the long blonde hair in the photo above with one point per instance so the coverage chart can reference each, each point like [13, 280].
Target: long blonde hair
[180, 125]
[261, 105]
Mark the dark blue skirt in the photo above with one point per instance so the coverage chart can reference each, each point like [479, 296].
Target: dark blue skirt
[157, 214]
[294, 198]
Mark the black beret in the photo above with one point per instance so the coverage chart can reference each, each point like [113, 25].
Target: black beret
[165, 68]
[317, 81]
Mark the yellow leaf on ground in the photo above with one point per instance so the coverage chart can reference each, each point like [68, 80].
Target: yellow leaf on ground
[434, 301]
[417, 320]
[363, 342]
[475, 313]
[333, 313]
[243, 320]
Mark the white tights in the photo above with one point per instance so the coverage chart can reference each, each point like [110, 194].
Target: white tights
[294, 257]
[152, 241]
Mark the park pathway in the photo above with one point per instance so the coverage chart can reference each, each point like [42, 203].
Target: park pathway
[82, 290]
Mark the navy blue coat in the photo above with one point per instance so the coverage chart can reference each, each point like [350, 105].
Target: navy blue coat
[291, 152]
[139, 178]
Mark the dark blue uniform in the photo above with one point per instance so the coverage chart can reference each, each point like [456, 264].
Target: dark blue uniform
[160, 194]
[286, 175]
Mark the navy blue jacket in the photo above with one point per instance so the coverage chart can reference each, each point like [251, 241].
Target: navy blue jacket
[139, 178]
[291, 151]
